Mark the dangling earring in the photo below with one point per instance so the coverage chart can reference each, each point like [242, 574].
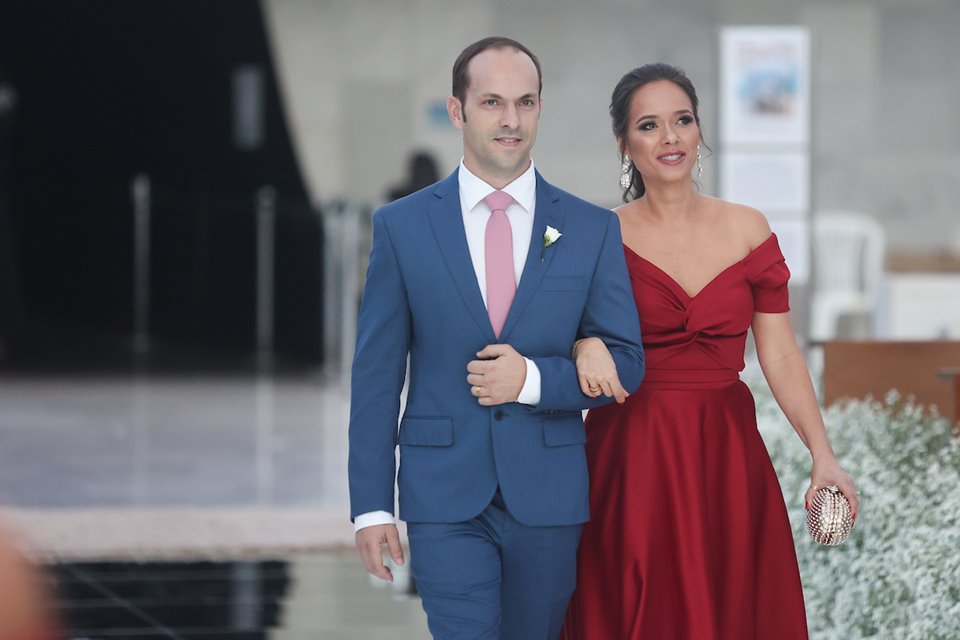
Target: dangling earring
[626, 172]
[699, 164]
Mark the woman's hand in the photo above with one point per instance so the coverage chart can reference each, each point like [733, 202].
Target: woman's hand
[826, 473]
[596, 370]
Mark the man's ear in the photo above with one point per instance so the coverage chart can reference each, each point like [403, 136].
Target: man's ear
[455, 111]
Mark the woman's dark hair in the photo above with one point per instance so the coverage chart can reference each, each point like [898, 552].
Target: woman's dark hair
[461, 79]
[620, 108]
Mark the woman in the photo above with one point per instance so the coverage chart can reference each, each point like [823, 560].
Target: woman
[689, 536]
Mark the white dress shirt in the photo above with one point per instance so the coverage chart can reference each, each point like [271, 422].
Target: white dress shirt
[475, 215]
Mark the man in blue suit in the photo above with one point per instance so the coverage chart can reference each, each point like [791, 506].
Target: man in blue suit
[493, 475]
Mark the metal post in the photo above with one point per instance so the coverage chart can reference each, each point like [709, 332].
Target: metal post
[337, 250]
[140, 193]
[350, 264]
[343, 226]
[266, 221]
[331, 283]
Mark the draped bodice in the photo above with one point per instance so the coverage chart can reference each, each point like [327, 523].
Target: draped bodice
[707, 330]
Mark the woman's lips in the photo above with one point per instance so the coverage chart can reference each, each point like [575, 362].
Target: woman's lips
[674, 157]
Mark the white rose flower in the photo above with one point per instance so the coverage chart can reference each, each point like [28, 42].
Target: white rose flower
[550, 236]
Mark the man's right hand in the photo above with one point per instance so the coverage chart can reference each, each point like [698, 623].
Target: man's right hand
[370, 541]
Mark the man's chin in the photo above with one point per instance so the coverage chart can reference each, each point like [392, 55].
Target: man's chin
[514, 163]
[501, 166]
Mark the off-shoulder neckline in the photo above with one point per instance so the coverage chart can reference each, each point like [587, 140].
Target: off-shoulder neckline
[739, 262]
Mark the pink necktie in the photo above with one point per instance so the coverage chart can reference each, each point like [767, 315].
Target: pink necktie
[498, 248]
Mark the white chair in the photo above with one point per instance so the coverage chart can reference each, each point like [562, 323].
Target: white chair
[848, 254]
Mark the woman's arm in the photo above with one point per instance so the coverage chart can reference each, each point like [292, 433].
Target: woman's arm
[786, 373]
[596, 370]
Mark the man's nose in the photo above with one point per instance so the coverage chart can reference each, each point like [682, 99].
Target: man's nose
[510, 117]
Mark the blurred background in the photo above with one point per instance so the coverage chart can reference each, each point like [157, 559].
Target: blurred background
[185, 196]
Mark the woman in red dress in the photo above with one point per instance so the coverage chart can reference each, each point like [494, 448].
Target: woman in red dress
[689, 537]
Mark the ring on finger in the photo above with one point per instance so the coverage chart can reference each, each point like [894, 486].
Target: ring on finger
[476, 391]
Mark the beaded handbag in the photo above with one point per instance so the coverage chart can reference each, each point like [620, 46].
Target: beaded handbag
[829, 518]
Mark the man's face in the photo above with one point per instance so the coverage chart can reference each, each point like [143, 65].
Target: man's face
[499, 116]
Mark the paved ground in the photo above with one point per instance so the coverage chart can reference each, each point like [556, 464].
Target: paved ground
[231, 465]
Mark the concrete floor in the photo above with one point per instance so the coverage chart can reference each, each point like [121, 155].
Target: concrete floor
[178, 464]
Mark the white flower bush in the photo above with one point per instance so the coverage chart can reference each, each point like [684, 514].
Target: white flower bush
[898, 575]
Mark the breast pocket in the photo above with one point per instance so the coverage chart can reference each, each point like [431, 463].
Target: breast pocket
[563, 283]
[426, 432]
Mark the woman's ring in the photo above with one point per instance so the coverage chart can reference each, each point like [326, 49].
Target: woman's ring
[476, 391]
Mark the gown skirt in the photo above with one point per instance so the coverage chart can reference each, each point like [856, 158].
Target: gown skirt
[688, 537]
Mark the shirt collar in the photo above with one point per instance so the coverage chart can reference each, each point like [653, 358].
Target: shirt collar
[474, 189]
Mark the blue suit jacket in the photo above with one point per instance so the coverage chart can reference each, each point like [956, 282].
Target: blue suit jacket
[421, 297]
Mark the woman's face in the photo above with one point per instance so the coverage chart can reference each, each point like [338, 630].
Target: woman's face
[662, 133]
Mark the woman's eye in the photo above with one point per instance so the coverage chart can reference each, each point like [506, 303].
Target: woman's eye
[647, 126]
[685, 120]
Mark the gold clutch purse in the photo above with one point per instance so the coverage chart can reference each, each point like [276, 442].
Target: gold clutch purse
[829, 518]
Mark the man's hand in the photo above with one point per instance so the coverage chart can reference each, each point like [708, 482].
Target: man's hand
[370, 541]
[498, 375]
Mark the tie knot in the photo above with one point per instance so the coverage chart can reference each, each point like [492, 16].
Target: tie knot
[499, 201]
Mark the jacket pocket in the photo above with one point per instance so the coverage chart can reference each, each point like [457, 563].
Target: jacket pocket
[426, 432]
[558, 432]
[563, 283]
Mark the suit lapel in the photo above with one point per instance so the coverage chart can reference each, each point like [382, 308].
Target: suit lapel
[446, 219]
[546, 212]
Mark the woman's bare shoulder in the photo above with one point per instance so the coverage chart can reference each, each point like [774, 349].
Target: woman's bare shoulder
[746, 222]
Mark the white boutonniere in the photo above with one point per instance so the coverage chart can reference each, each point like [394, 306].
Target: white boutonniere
[550, 236]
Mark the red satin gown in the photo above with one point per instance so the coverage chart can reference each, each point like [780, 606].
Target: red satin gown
[688, 537]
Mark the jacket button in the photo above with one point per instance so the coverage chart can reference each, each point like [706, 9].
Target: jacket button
[500, 414]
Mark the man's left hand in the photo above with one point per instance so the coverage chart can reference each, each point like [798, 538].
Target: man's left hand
[497, 376]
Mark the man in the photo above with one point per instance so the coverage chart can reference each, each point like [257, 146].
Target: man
[487, 303]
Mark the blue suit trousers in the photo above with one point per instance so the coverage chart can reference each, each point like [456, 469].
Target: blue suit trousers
[492, 577]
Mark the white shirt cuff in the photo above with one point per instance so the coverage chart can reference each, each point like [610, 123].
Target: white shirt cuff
[372, 518]
[530, 393]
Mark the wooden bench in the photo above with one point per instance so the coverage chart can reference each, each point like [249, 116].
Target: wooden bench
[952, 376]
[927, 370]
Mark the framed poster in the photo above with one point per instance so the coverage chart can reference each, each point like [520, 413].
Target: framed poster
[771, 181]
[765, 85]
